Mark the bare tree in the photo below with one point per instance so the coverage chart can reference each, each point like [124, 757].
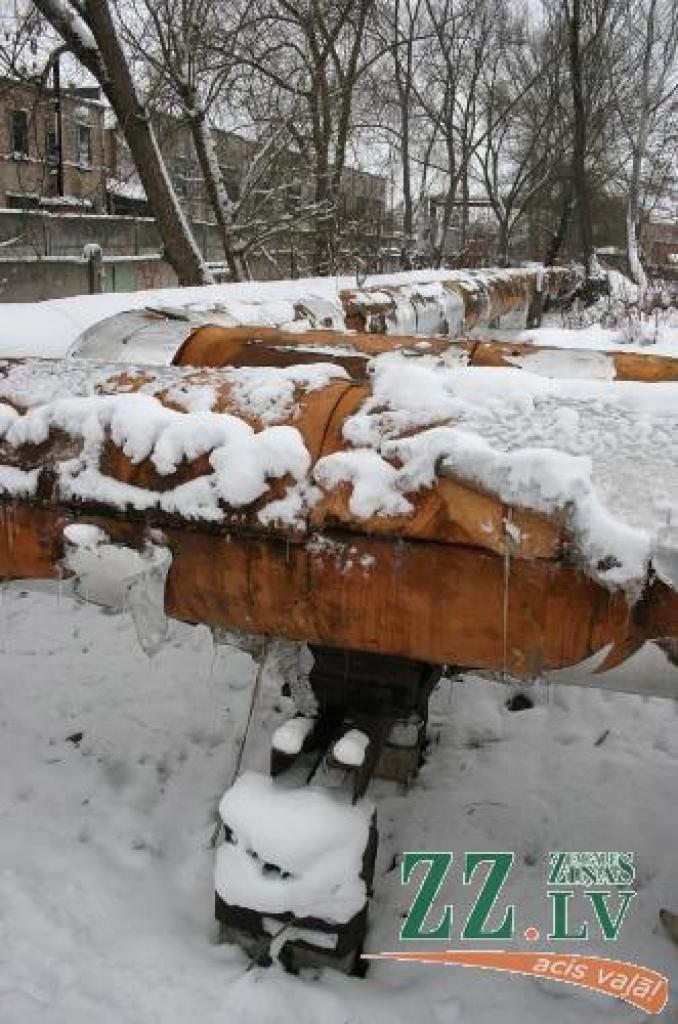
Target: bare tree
[523, 136]
[314, 52]
[461, 33]
[573, 15]
[405, 25]
[644, 106]
[19, 44]
[590, 28]
[389, 105]
[186, 48]
[89, 32]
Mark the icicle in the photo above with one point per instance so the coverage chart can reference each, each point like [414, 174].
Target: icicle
[665, 555]
[146, 599]
[120, 577]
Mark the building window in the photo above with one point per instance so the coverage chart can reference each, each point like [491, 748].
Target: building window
[18, 131]
[51, 147]
[84, 146]
[14, 201]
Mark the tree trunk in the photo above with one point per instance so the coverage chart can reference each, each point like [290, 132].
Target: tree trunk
[465, 211]
[440, 241]
[580, 175]
[408, 207]
[633, 205]
[103, 56]
[216, 192]
[536, 311]
[503, 243]
[560, 231]
[403, 80]
[324, 222]
[408, 218]
[635, 264]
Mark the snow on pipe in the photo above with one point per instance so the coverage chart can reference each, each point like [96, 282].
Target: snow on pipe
[442, 302]
[459, 302]
[270, 521]
[447, 306]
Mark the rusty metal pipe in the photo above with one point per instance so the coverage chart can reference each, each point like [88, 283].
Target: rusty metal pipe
[445, 584]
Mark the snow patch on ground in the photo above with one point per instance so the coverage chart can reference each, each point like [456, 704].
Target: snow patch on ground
[106, 875]
[652, 336]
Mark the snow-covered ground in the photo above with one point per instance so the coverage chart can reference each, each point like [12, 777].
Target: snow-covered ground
[106, 875]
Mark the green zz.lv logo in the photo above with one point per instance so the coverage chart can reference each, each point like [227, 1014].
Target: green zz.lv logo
[475, 928]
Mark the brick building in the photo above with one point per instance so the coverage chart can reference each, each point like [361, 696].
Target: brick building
[660, 242]
[363, 195]
[33, 172]
[93, 172]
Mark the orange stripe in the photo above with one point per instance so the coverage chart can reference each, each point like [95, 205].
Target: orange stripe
[639, 986]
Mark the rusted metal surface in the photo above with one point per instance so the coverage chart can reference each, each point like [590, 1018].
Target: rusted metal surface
[623, 365]
[271, 346]
[452, 512]
[445, 604]
[449, 583]
[215, 346]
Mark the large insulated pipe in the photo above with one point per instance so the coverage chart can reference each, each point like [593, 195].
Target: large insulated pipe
[216, 346]
[224, 475]
[458, 301]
